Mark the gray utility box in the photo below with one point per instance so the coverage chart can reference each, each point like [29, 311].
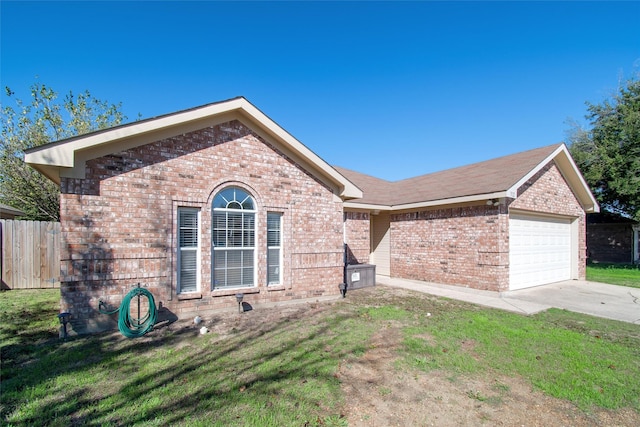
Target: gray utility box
[360, 276]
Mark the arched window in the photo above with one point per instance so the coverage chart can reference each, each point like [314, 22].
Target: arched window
[233, 239]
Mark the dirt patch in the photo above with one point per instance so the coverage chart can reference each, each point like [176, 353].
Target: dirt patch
[378, 393]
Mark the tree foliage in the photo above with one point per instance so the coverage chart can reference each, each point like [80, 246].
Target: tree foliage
[44, 119]
[608, 154]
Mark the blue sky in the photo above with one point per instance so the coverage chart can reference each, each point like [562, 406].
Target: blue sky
[393, 90]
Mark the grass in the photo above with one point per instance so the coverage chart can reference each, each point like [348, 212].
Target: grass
[284, 374]
[615, 274]
[589, 361]
[279, 375]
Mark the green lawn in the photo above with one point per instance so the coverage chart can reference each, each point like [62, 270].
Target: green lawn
[284, 373]
[615, 274]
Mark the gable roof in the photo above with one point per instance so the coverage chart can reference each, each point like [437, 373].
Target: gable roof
[67, 158]
[491, 179]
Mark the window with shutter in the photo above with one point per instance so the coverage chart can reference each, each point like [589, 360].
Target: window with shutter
[274, 248]
[189, 251]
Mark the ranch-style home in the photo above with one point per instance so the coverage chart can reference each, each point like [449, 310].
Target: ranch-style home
[203, 204]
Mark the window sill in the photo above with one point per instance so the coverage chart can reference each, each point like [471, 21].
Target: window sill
[276, 288]
[228, 292]
[192, 295]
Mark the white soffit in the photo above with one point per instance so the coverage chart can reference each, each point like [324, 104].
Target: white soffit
[426, 204]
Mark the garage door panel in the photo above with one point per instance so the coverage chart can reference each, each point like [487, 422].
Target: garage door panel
[539, 250]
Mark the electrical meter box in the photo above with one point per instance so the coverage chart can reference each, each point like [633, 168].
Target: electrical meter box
[360, 276]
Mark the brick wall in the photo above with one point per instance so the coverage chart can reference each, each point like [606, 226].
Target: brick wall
[462, 246]
[548, 192]
[469, 245]
[610, 243]
[119, 223]
[358, 235]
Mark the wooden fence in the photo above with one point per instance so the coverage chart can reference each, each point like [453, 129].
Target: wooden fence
[30, 254]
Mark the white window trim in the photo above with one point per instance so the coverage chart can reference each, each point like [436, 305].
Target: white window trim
[254, 248]
[196, 249]
[279, 247]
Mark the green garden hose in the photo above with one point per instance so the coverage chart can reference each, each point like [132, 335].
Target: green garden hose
[132, 327]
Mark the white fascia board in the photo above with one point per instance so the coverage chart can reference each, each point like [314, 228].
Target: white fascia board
[366, 206]
[349, 190]
[570, 172]
[81, 156]
[69, 157]
[427, 204]
[63, 154]
[452, 201]
[513, 190]
[574, 177]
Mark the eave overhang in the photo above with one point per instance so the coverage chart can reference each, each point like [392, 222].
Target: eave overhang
[67, 158]
[571, 174]
[560, 156]
[428, 203]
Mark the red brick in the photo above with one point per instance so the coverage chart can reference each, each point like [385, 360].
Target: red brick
[119, 223]
[469, 245]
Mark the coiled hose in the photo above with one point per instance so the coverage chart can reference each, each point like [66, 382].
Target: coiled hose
[129, 326]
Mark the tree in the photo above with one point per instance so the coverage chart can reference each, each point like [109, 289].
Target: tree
[45, 119]
[609, 153]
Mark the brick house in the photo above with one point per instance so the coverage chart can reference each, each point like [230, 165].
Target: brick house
[612, 238]
[503, 224]
[205, 203]
[197, 206]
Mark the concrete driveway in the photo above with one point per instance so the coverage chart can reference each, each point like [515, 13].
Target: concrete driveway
[596, 299]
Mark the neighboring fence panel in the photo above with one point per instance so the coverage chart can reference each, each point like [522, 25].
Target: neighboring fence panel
[30, 254]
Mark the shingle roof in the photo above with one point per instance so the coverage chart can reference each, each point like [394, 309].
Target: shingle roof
[375, 190]
[491, 176]
[491, 179]
[7, 211]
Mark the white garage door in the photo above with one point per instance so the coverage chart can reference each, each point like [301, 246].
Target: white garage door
[539, 250]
